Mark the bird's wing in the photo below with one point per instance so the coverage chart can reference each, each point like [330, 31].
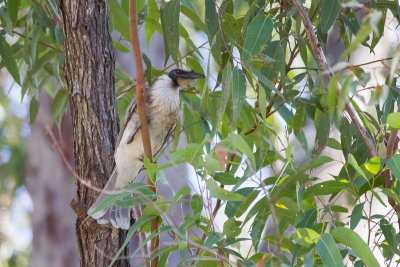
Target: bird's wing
[131, 111]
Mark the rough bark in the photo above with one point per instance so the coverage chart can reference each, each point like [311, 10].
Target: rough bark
[89, 76]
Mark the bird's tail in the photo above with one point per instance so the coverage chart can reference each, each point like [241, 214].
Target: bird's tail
[119, 217]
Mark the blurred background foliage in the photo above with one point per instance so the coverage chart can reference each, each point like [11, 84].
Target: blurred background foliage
[272, 151]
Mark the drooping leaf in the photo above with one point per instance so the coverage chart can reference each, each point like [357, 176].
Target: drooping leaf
[390, 235]
[258, 33]
[394, 165]
[8, 60]
[393, 119]
[329, 12]
[13, 7]
[232, 227]
[33, 110]
[220, 193]
[120, 18]
[328, 251]
[238, 92]
[356, 215]
[169, 15]
[354, 241]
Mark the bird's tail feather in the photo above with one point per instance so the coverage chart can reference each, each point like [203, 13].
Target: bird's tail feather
[119, 217]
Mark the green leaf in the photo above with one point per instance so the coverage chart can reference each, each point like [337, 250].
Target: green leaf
[238, 92]
[307, 236]
[8, 60]
[211, 19]
[306, 219]
[183, 192]
[327, 250]
[393, 120]
[136, 226]
[152, 20]
[329, 11]
[373, 165]
[353, 162]
[322, 123]
[197, 205]
[33, 110]
[351, 239]
[327, 188]
[356, 215]
[333, 93]
[238, 142]
[390, 235]
[193, 17]
[59, 106]
[225, 178]
[220, 193]
[226, 89]
[232, 227]
[394, 165]
[259, 32]
[299, 119]
[13, 7]
[361, 35]
[246, 203]
[264, 80]
[120, 18]
[169, 15]
[333, 143]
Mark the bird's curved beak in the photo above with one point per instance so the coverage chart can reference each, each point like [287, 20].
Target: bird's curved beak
[189, 75]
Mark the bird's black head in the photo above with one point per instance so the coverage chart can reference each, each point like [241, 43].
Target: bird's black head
[183, 77]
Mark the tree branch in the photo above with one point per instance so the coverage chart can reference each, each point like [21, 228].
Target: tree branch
[141, 102]
[323, 65]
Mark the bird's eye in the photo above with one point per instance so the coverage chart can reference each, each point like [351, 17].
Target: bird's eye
[179, 71]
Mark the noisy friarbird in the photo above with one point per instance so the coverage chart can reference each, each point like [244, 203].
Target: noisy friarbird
[162, 110]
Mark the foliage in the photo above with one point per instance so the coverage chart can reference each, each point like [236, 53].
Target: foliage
[244, 159]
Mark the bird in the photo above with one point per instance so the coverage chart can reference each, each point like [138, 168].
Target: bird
[162, 111]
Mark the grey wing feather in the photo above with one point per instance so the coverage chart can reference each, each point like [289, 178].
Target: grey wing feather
[130, 111]
[169, 134]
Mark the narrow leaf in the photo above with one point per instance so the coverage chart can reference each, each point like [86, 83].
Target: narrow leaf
[238, 92]
[258, 33]
[169, 15]
[356, 215]
[327, 250]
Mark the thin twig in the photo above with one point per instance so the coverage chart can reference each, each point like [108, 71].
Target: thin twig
[39, 42]
[141, 102]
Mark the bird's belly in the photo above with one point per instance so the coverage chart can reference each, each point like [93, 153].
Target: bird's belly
[129, 157]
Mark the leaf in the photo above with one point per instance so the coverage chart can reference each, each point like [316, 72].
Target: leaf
[306, 219]
[354, 241]
[299, 119]
[373, 165]
[393, 119]
[232, 227]
[333, 143]
[220, 193]
[13, 7]
[353, 162]
[59, 106]
[153, 17]
[183, 192]
[238, 142]
[226, 88]
[329, 11]
[361, 35]
[197, 205]
[136, 226]
[264, 80]
[322, 123]
[33, 110]
[193, 17]
[394, 165]
[120, 18]
[328, 251]
[8, 60]
[225, 178]
[307, 236]
[333, 93]
[390, 235]
[211, 19]
[169, 15]
[356, 215]
[258, 33]
[238, 92]
[327, 188]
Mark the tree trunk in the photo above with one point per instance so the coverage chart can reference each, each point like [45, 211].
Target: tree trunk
[89, 76]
